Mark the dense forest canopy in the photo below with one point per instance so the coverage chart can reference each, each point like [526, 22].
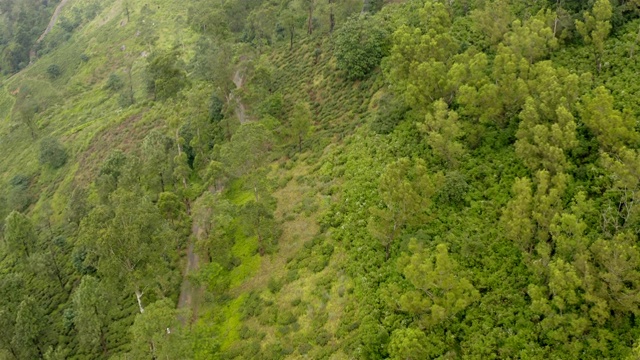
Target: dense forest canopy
[340, 179]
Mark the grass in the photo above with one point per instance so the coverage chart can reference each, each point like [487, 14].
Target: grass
[230, 326]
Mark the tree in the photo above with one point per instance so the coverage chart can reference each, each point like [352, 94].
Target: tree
[114, 83]
[300, 122]
[408, 344]
[171, 207]
[360, 45]
[166, 76]
[259, 215]
[516, 219]
[596, 27]
[612, 128]
[29, 329]
[25, 112]
[493, 20]
[248, 151]
[439, 290]
[52, 153]
[20, 234]
[533, 39]
[406, 191]
[157, 161]
[52, 261]
[620, 211]
[212, 217]
[442, 130]
[420, 57]
[543, 146]
[54, 71]
[12, 289]
[290, 20]
[91, 308]
[131, 241]
[157, 333]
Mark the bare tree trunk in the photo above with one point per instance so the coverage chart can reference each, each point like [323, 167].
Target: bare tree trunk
[139, 299]
[292, 31]
[310, 23]
[332, 19]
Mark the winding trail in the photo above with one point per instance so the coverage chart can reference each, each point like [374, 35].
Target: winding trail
[240, 110]
[52, 22]
[189, 292]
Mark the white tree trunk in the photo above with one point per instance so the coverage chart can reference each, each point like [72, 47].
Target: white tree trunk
[139, 298]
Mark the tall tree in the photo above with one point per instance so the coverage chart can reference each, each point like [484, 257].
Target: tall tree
[612, 128]
[439, 291]
[157, 333]
[29, 329]
[20, 234]
[131, 241]
[300, 122]
[259, 215]
[91, 306]
[442, 129]
[596, 27]
[406, 190]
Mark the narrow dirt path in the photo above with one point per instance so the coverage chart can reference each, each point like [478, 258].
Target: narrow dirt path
[52, 22]
[189, 292]
[241, 111]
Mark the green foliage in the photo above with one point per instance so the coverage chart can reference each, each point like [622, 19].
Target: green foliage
[390, 113]
[360, 45]
[513, 169]
[130, 248]
[19, 234]
[409, 344]
[52, 153]
[596, 27]
[90, 313]
[300, 123]
[166, 76]
[435, 275]
[157, 332]
[54, 71]
[406, 190]
[114, 83]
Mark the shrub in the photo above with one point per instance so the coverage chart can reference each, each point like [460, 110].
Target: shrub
[54, 71]
[274, 285]
[390, 113]
[286, 318]
[360, 45]
[114, 83]
[52, 153]
[322, 338]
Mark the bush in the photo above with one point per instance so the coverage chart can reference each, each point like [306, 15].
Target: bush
[304, 348]
[54, 71]
[286, 318]
[322, 338]
[390, 113]
[114, 83]
[360, 45]
[274, 285]
[52, 153]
